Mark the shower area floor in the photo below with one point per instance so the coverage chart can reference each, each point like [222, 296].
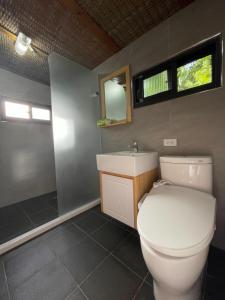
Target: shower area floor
[21, 217]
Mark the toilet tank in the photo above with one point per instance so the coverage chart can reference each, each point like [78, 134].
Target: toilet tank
[194, 172]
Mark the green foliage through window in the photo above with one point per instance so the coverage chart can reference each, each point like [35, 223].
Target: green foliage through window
[191, 71]
[156, 84]
[195, 73]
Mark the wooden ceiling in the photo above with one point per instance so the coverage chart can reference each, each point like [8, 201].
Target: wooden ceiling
[86, 31]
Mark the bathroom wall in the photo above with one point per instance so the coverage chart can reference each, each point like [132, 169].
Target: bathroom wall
[26, 150]
[76, 137]
[197, 121]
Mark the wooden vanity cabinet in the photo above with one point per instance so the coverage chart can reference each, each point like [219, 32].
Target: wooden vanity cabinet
[120, 194]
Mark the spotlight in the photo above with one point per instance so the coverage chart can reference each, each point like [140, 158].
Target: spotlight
[22, 43]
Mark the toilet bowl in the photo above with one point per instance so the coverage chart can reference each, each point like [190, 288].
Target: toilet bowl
[175, 278]
[176, 226]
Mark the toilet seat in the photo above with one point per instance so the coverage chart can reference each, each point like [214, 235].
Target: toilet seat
[177, 221]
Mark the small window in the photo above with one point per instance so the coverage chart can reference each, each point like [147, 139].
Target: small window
[195, 73]
[156, 84]
[194, 70]
[41, 114]
[25, 112]
[17, 110]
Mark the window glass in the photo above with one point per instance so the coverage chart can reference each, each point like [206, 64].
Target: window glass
[195, 73]
[156, 84]
[17, 110]
[194, 70]
[41, 114]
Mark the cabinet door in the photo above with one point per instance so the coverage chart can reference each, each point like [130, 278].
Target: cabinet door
[117, 197]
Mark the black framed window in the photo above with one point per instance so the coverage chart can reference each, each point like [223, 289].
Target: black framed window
[194, 70]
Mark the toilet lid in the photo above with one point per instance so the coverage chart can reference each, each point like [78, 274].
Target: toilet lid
[174, 218]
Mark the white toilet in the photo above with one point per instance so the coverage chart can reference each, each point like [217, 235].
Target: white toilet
[176, 224]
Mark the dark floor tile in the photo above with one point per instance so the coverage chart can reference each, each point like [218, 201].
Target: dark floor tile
[216, 263]
[20, 249]
[52, 282]
[20, 267]
[63, 237]
[53, 203]
[130, 253]
[83, 258]
[34, 205]
[76, 295]
[16, 219]
[79, 217]
[122, 225]
[97, 210]
[145, 293]
[3, 285]
[51, 195]
[110, 235]
[90, 222]
[44, 216]
[11, 214]
[214, 288]
[14, 229]
[214, 296]
[111, 281]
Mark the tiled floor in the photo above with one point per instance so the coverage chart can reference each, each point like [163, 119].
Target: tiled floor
[90, 257]
[21, 217]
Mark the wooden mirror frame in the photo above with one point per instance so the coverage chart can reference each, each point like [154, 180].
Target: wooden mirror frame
[125, 70]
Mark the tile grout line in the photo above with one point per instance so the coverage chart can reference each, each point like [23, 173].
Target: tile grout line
[38, 270]
[48, 264]
[140, 286]
[38, 211]
[26, 214]
[115, 257]
[44, 209]
[70, 274]
[95, 268]
[94, 240]
[111, 220]
[148, 283]
[111, 252]
[90, 237]
[89, 274]
[29, 219]
[83, 293]
[55, 257]
[125, 265]
[6, 281]
[107, 256]
[79, 284]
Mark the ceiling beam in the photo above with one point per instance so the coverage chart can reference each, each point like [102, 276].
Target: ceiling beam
[13, 38]
[9, 34]
[89, 23]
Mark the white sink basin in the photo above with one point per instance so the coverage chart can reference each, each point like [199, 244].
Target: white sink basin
[127, 163]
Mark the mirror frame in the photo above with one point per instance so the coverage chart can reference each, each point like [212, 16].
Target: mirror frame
[128, 119]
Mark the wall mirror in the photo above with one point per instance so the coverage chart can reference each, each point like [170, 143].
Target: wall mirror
[115, 96]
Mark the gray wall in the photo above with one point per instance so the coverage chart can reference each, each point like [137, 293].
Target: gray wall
[76, 138]
[197, 121]
[26, 150]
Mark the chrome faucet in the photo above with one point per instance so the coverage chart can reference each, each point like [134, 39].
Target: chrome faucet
[135, 147]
